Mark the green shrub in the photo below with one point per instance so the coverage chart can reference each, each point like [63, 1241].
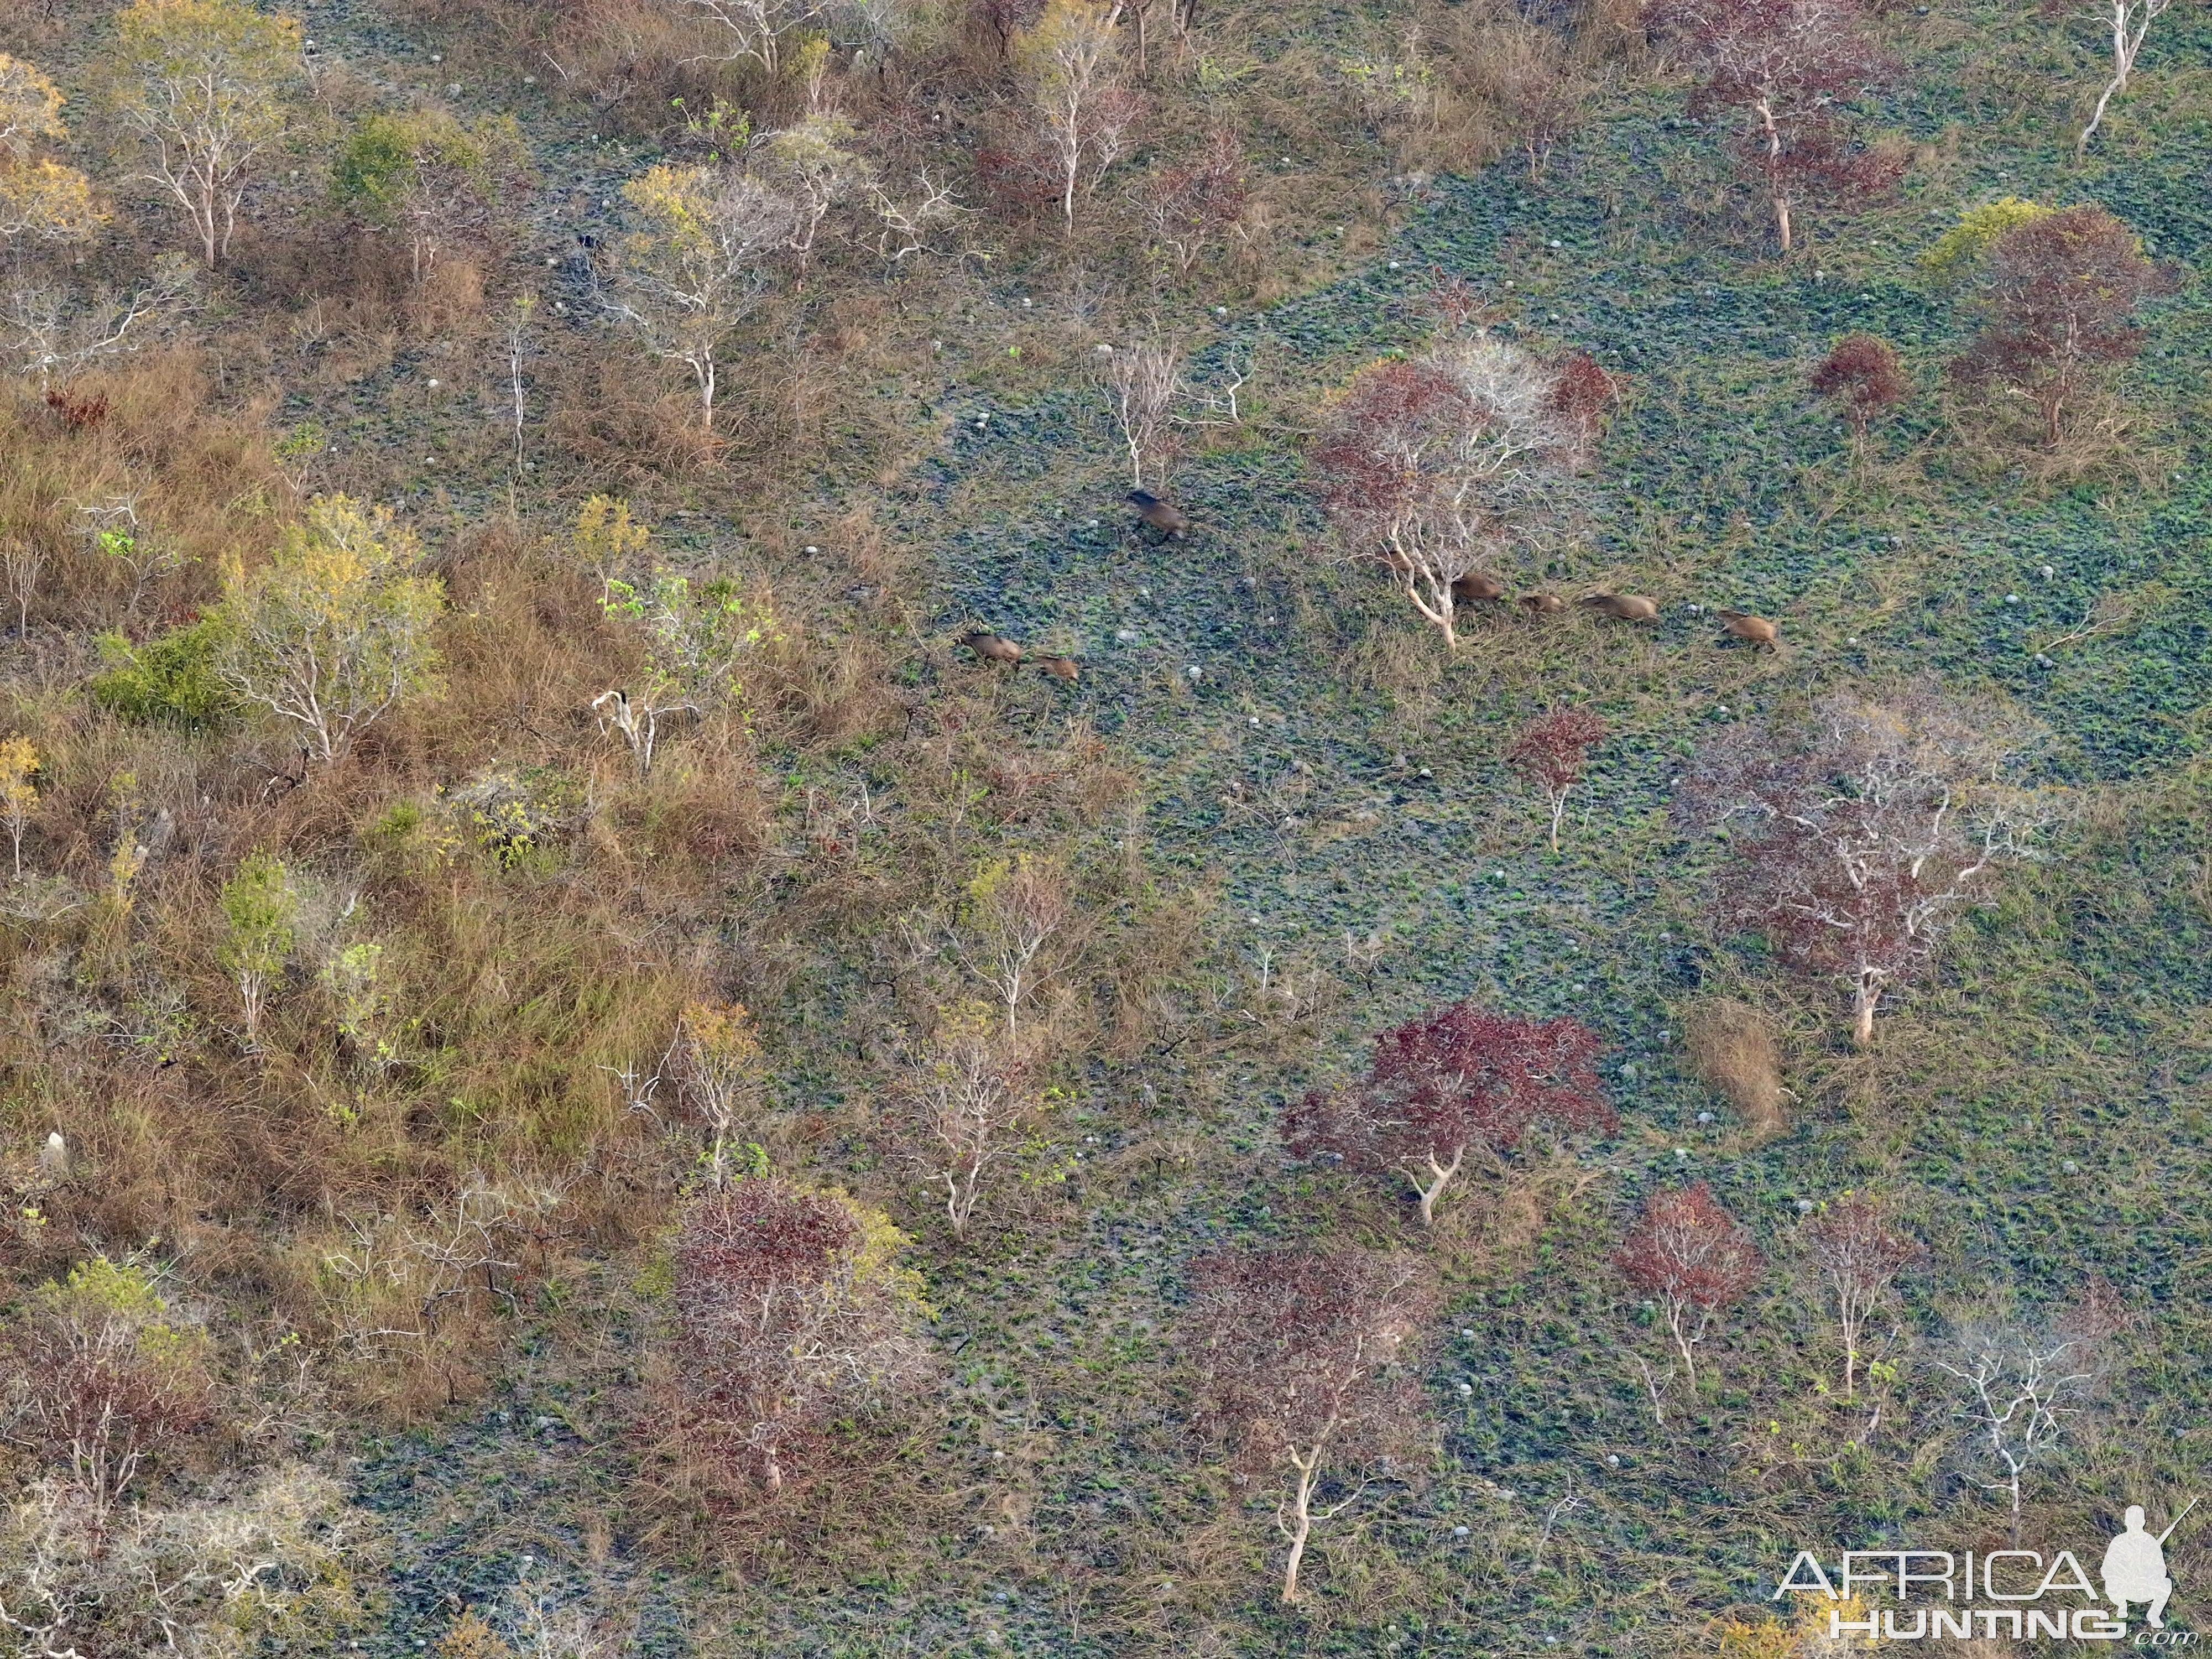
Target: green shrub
[170, 678]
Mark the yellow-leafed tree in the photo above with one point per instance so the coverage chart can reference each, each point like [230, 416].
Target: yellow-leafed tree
[206, 85]
[335, 629]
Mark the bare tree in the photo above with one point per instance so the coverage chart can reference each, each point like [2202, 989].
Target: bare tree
[718, 1065]
[2021, 1388]
[521, 311]
[1071, 63]
[752, 28]
[2131, 21]
[1861, 837]
[1789, 67]
[1306, 1366]
[1456, 1081]
[1014, 928]
[334, 631]
[1550, 753]
[973, 1093]
[1860, 1254]
[22, 562]
[2060, 292]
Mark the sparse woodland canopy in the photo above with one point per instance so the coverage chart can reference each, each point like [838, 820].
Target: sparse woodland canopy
[1095, 827]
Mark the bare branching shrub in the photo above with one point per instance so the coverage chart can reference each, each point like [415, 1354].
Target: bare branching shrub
[222, 1576]
[417, 1286]
[791, 1310]
[717, 1063]
[2020, 1388]
[973, 1094]
[1192, 206]
[1860, 1254]
[53, 330]
[1306, 1364]
[1733, 1052]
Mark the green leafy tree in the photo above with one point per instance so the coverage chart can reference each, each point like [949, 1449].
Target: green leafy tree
[175, 678]
[695, 636]
[207, 87]
[438, 179]
[260, 914]
[335, 629]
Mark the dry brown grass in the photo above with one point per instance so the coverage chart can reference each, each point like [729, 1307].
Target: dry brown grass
[1734, 1052]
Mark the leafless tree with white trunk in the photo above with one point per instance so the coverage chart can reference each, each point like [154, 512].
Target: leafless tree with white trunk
[2022, 1388]
[973, 1094]
[2131, 21]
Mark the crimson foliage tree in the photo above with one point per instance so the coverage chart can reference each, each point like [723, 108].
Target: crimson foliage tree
[1689, 1253]
[1461, 1079]
[2060, 294]
[1436, 466]
[1305, 1364]
[1550, 752]
[1860, 837]
[1786, 67]
[1860, 1254]
[1864, 377]
[791, 1310]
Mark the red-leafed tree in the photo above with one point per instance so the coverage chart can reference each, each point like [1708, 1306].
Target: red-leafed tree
[1457, 1081]
[2060, 299]
[1691, 1254]
[790, 1309]
[1305, 1364]
[1582, 393]
[1787, 67]
[1550, 753]
[1190, 206]
[1860, 1254]
[1865, 378]
[1860, 837]
[1438, 466]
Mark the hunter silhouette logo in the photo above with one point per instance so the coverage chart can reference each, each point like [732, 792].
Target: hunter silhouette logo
[2021, 1594]
[2135, 1566]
